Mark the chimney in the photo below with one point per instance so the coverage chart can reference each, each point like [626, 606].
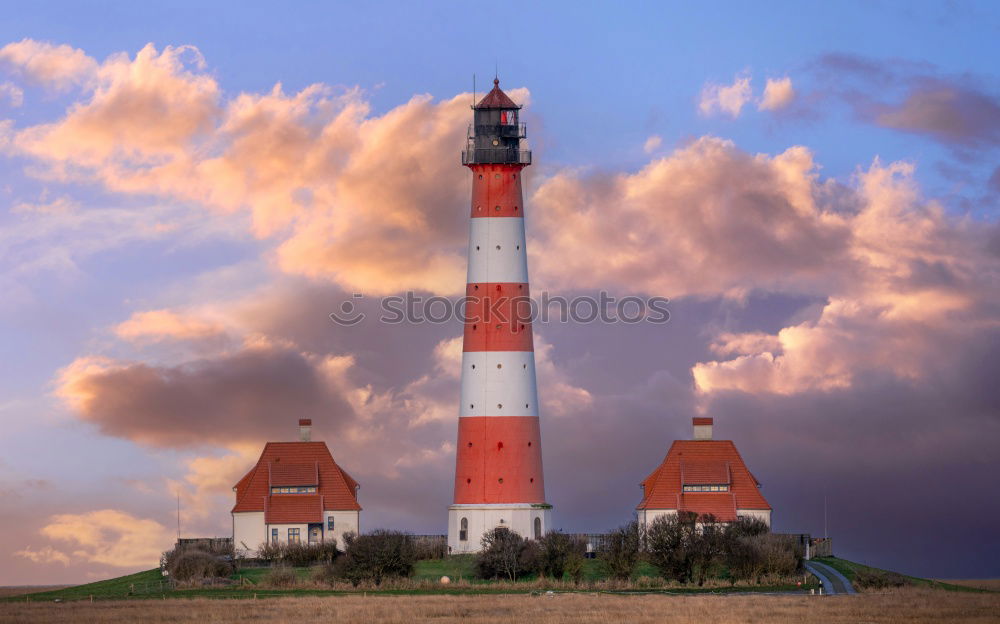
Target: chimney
[305, 429]
[702, 428]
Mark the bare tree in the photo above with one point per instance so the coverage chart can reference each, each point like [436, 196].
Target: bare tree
[503, 555]
[620, 551]
[557, 551]
[670, 540]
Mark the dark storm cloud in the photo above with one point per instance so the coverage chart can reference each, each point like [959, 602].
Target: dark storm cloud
[249, 395]
[914, 97]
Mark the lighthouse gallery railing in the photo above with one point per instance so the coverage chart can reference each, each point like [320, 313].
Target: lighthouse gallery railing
[476, 156]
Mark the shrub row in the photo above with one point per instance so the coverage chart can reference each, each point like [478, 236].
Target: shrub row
[685, 548]
[506, 555]
[298, 555]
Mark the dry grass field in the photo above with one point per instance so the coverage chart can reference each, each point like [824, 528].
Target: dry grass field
[904, 606]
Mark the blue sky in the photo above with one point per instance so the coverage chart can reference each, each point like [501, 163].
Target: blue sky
[868, 78]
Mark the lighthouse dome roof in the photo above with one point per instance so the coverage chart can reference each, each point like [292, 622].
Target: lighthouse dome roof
[496, 98]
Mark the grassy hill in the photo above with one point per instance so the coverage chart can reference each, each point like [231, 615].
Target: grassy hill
[151, 584]
[850, 569]
[120, 587]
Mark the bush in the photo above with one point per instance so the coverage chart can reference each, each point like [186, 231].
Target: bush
[672, 542]
[375, 556]
[620, 551]
[556, 549]
[779, 555]
[505, 554]
[878, 579]
[575, 563]
[298, 555]
[194, 564]
[750, 558]
[747, 526]
[280, 576]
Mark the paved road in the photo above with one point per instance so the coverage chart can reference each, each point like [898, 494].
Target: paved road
[833, 582]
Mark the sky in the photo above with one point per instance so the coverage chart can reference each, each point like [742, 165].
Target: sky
[188, 192]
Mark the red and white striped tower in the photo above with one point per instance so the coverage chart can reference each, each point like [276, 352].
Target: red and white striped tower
[498, 471]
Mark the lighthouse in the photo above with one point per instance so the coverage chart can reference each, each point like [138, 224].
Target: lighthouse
[498, 467]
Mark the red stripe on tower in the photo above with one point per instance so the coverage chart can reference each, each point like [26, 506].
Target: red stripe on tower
[498, 466]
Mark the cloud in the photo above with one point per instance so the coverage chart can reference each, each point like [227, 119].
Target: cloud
[107, 536]
[59, 205]
[708, 219]
[206, 488]
[12, 93]
[946, 112]
[917, 98]
[652, 144]
[143, 114]
[915, 290]
[778, 94]
[46, 554]
[367, 201]
[725, 99]
[225, 399]
[157, 325]
[59, 67]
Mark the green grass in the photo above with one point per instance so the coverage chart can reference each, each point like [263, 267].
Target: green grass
[850, 568]
[101, 590]
[455, 567]
[464, 567]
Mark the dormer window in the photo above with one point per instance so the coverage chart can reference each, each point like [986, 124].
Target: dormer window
[707, 488]
[294, 489]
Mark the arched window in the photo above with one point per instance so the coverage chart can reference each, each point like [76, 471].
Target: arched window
[538, 528]
[463, 531]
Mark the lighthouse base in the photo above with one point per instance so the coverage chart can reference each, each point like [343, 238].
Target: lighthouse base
[530, 520]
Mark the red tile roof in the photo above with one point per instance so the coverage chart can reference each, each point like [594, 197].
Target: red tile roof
[704, 472]
[294, 474]
[701, 421]
[289, 508]
[701, 460]
[296, 461]
[496, 98]
[722, 505]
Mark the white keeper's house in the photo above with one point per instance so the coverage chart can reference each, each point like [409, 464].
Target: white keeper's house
[296, 493]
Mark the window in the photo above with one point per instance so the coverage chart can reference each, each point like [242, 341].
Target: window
[329, 523]
[463, 531]
[706, 488]
[274, 536]
[300, 489]
[293, 536]
[538, 528]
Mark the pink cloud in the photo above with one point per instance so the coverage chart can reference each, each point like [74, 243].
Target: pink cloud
[706, 220]
[56, 66]
[725, 99]
[154, 325]
[778, 94]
